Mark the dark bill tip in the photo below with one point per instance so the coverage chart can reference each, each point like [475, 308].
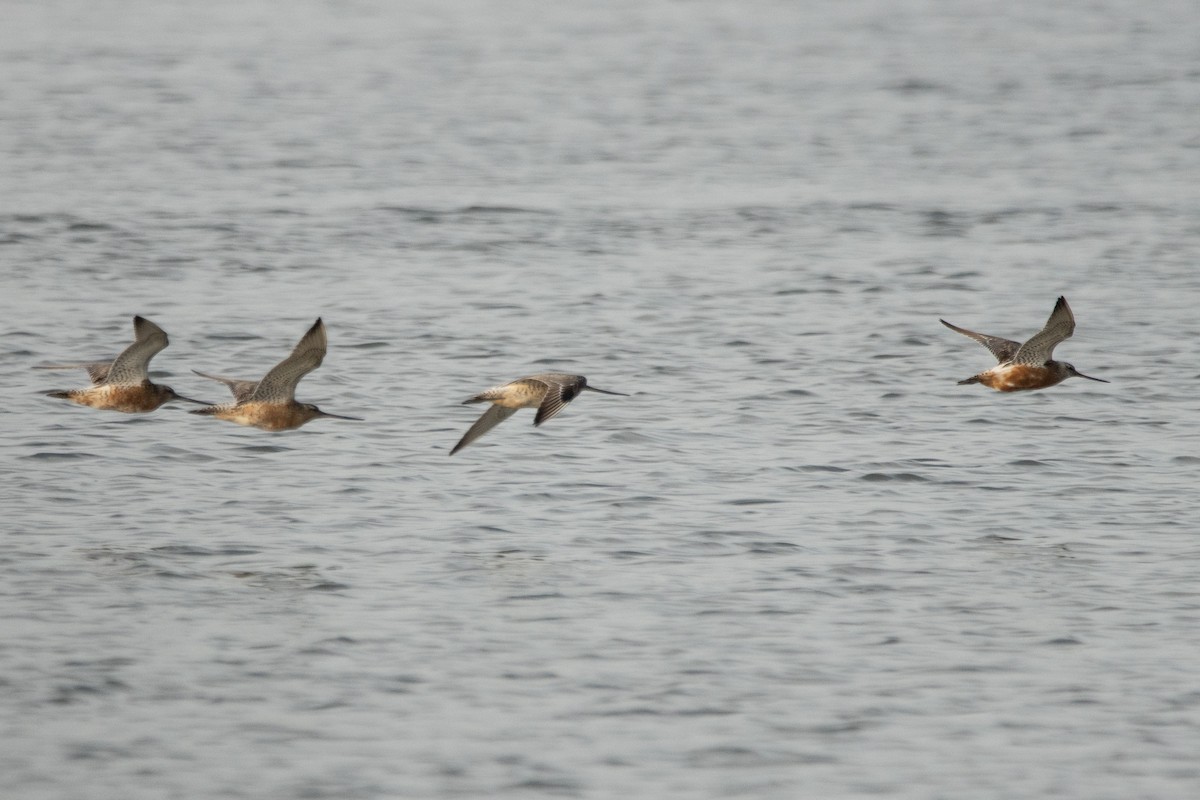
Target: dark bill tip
[341, 416]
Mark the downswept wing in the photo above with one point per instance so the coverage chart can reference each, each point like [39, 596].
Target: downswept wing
[490, 419]
[556, 399]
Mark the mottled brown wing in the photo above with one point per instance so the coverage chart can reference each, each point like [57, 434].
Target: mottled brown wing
[242, 390]
[1040, 347]
[1002, 349]
[130, 368]
[279, 385]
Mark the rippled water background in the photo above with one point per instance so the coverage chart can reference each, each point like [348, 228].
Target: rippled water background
[798, 561]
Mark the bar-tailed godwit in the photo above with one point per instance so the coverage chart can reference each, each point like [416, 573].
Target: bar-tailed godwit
[548, 392]
[270, 403]
[1029, 365]
[123, 384]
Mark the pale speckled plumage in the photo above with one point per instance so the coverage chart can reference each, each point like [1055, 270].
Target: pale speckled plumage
[1029, 365]
[279, 384]
[131, 366]
[124, 384]
[1040, 347]
[548, 392]
[270, 403]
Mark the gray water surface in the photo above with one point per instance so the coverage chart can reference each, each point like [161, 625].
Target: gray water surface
[798, 561]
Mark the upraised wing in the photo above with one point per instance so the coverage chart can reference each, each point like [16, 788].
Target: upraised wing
[279, 385]
[1040, 347]
[130, 367]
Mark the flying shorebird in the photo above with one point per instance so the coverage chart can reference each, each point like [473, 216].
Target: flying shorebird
[548, 392]
[123, 384]
[1029, 365]
[270, 403]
